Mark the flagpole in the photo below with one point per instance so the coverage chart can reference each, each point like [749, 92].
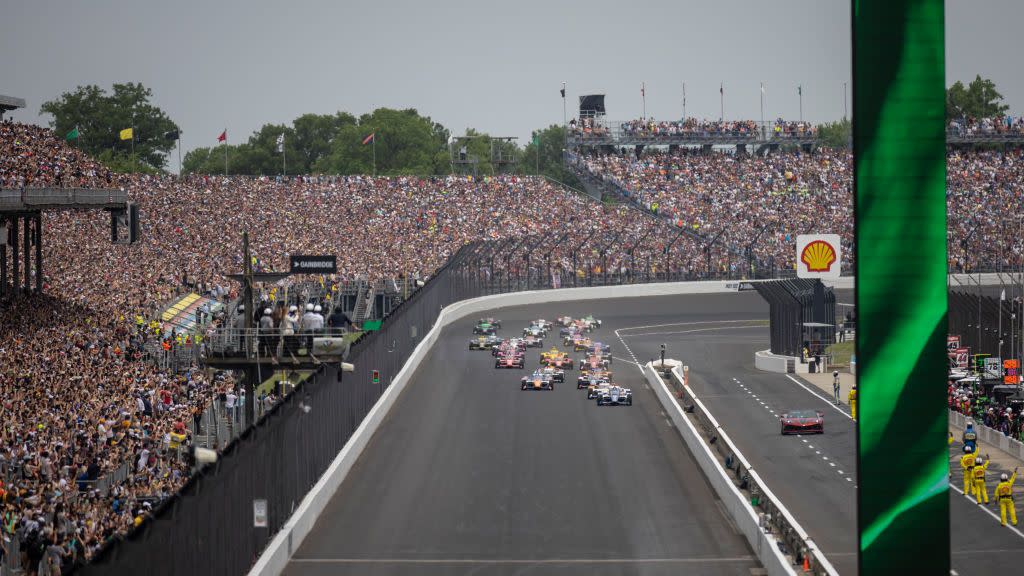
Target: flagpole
[684, 101]
[564, 124]
[800, 92]
[643, 96]
[762, 110]
[284, 159]
[225, 151]
[721, 98]
[374, 142]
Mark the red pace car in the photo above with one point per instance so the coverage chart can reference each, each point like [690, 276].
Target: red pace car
[510, 361]
[803, 422]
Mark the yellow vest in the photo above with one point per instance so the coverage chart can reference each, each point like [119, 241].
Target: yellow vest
[967, 461]
[1005, 489]
[979, 470]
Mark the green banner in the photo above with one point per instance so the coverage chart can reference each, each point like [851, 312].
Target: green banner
[900, 211]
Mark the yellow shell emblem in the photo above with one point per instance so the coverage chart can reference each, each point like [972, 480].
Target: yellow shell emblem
[818, 256]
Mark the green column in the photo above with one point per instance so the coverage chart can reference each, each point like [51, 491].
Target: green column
[900, 208]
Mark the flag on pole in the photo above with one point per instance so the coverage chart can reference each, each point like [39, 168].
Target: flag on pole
[127, 134]
[280, 142]
[721, 89]
[172, 135]
[642, 86]
[762, 87]
[73, 135]
[799, 90]
[1002, 295]
[369, 138]
[223, 136]
[563, 91]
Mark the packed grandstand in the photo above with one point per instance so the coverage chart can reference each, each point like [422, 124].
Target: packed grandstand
[82, 402]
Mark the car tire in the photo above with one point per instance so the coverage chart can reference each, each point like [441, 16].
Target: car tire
[629, 402]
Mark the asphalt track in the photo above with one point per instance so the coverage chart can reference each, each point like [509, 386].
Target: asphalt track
[471, 475]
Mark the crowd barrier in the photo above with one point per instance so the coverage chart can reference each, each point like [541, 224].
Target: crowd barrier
[775, 536]
[989, 436]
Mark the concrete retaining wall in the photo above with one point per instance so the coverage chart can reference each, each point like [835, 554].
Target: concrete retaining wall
[765, 546]
[989, 436]
[768, 362]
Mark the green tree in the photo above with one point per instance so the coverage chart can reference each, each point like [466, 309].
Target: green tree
[979, 99]
[313, 138]
[546, 150]
[405, 143]
[835, 134]
[100, 116]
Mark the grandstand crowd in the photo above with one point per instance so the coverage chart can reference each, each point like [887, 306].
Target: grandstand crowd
[93, 432]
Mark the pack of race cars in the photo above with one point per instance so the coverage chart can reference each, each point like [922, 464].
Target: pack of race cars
[594, 365]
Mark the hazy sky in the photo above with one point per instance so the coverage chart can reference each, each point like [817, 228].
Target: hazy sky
[496, 67]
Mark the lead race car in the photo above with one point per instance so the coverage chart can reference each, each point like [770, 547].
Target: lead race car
[486, 328]
[615, 396]
[803, 422]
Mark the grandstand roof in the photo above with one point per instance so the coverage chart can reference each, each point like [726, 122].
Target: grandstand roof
[8, 103]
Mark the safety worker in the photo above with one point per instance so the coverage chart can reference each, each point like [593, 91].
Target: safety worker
[967, 464]
[980, 490]
[852, 399]
[835, 385]
[970, 437]
[1004, 494]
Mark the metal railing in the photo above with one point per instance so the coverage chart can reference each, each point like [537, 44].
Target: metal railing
[773, 518]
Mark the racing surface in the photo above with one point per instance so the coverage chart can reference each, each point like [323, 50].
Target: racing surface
[471, 475]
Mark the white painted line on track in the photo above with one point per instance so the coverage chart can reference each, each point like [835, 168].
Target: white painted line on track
[691, 324]
[840, 471]
[1013, 529]
[822, 398]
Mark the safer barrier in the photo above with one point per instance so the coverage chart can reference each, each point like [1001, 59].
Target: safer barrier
[776, 537]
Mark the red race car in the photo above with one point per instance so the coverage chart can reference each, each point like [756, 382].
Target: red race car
[510, 361]
[803, 422]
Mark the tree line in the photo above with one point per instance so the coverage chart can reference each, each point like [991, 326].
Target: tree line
[404, 141]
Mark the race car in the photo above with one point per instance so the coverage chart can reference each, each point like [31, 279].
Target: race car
[543, 324]
[535, 331]
[565, 320]
[615, 396]
[510, 345]
[485, 328]
[596, 389]
[591, 322]
[534, 342]
[581, 344]
[510, 361]
[555, 374]
[803, 422]
[488, 342]
[593, 363]
[556, 358]
[493, 321]
[592, 379]
[599, 349]
[538, 381]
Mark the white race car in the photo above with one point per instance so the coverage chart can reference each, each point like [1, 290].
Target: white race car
[615, 396]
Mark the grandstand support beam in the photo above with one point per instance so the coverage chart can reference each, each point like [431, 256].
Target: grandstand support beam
[26, 252]
[15, 265]
[39, 252]
[3, 263]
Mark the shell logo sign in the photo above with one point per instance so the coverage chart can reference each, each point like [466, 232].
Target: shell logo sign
[818, 256]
